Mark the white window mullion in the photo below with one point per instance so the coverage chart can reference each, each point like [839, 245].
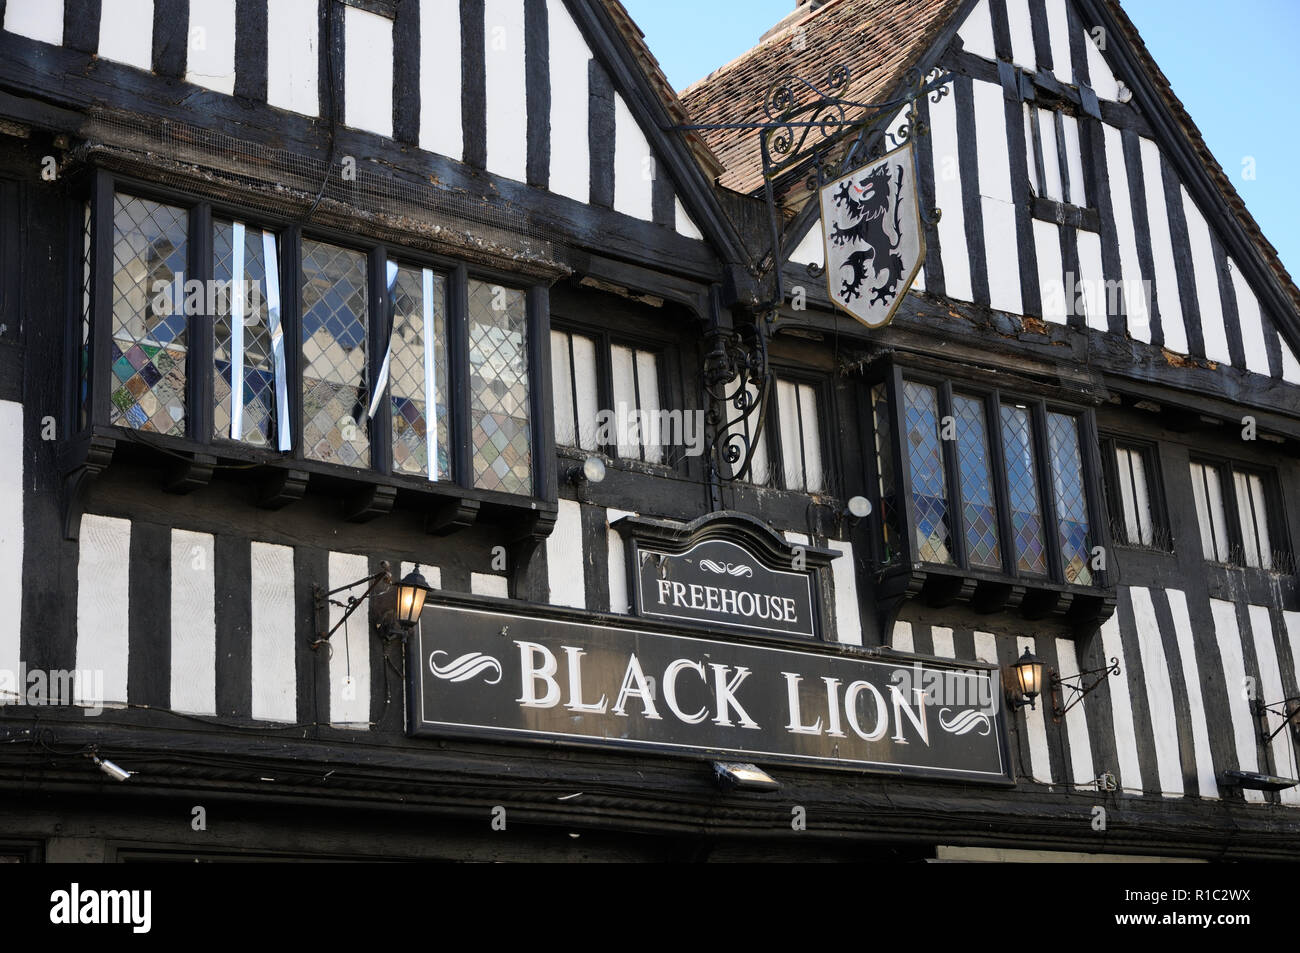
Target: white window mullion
[283, 431]
[430, 376]
[237, 332]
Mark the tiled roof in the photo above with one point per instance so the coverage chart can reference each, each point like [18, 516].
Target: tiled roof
[877, 39]
[635, 40]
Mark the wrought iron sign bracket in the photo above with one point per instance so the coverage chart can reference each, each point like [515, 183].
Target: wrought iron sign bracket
[1259, 709]
[323, 600]
[1075, 683]
[736, 371]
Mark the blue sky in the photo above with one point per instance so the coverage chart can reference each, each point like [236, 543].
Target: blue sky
[1226, 62]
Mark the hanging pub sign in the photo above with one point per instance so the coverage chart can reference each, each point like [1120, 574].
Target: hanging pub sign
[725, 570]
[484, 674]
[875, 244]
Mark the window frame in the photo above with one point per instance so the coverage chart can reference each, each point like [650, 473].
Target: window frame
[776, 451]
[1063, 211]
[604, 341]
[993, 398]
[198, 440]
[1280, 549]
[770, 435]
[1161, 534]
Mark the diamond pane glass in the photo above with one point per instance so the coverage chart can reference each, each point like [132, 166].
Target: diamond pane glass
[929, 484]
[979, 510]
[334, 383]
[415, 446]
[1022, 486]
[147, 382]
[257, 363]
[1071, 503]
[498, 368]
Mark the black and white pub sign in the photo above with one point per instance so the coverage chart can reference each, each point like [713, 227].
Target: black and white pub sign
[726, 570]
[875, 243]
[485, 674]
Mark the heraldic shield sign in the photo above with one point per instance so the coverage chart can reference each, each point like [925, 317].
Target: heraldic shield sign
[875, 243]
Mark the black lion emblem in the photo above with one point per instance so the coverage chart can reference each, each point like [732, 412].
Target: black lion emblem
[868, 201]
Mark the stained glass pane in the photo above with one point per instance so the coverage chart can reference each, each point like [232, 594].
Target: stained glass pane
[929, 484]
[334, 382]
[1071, 501]
[498, 368]
[147, 384]
[1022, 484]
[257, 362]
[409, 366]
[885, 465]
[979, 509]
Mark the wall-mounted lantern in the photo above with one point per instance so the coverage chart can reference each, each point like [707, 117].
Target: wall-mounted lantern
[1026, 681]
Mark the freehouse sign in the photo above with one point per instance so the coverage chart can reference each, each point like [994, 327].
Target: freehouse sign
[725, 571]
[486, 674]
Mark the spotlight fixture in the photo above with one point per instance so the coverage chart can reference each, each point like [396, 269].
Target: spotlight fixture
[1026, 681]
[112, 770]
[736, 776]
[859, 507]
[592, 470]
[1255, 781]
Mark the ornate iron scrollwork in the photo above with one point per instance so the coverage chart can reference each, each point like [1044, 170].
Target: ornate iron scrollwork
[736, 373]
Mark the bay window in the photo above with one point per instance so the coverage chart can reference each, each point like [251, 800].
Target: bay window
[255, 341]
[985, 495]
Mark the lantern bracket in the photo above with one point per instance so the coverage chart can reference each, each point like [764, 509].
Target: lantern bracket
[323, 599]
[1075, 684]
[1259, 709]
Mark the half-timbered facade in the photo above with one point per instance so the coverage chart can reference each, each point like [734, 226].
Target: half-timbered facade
[300, 295]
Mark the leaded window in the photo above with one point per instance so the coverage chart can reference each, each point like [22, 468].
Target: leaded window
[983, 483]
[979, 498]
[1071, 501]
[244, 327]
[335, 323]
[498, 361]
[929, 481]
[150, 249]
[308, 348]
[1022, 486]
[418, 372]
